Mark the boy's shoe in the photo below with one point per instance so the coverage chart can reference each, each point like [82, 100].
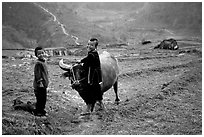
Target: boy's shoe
[85, 113]
[44, 112]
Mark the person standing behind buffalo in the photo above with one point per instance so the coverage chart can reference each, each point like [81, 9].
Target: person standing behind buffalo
[40, 82]
[93, 66]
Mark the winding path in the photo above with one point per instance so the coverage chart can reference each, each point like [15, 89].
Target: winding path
[59, 23]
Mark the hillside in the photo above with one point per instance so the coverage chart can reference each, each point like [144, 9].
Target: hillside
[26, 25]
[161, 20]
[184, 17]
[22, 28]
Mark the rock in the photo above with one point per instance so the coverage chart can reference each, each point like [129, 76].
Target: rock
[146, 42]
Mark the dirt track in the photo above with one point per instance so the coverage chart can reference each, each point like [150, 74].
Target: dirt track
[160, 92]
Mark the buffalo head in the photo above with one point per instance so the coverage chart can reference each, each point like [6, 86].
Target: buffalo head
[76, 74]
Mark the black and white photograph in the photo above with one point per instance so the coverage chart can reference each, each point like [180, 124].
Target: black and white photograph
[101, 68]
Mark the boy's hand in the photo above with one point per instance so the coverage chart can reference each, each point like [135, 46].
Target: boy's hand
[100, 84]
[77, 61]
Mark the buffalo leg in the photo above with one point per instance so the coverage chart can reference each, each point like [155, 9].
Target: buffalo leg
[115, 86]
[92, 106]
[88, 110]
[101, 105]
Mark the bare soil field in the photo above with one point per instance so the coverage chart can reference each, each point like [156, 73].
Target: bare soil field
[160, 93]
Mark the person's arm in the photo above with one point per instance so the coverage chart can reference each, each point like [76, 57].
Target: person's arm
[84, 60]
[38, 74]
[90, 69]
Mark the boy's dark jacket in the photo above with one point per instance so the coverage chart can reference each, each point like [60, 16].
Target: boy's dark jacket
[93, 67]
[40, 74]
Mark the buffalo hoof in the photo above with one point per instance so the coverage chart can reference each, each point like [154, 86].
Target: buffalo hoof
[88, 110]
[84, 117]
[85, 113]
[76, 121]
[117, 102]
[100, 106]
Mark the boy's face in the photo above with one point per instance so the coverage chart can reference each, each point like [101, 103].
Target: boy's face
[91, 45]
[40, 54]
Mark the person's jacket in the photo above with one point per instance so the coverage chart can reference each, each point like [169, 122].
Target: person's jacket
[93, 67]
[40, 75]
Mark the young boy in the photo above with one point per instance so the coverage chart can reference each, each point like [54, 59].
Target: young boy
[40, 83]
[93, 67]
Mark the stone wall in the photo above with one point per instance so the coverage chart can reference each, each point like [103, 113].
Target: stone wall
[57, 51]
[29, 53]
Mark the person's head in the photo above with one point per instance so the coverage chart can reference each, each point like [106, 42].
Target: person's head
[39, 52]
[92, 44]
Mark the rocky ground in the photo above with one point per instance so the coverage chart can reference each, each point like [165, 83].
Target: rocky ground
[160, 92]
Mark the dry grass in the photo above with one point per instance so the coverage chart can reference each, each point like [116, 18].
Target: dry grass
[160, 92]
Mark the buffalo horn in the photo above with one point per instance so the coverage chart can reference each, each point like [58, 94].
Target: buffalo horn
[64, 66]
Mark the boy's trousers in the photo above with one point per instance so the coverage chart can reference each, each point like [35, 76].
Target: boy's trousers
[41, 97]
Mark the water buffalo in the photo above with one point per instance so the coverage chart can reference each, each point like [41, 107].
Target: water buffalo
[170, 44]
[78, 76]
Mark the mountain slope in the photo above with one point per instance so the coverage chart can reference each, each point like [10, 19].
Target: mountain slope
[26, 25]
[180, 16]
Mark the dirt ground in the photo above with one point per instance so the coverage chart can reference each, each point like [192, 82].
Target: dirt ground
[160, 93]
